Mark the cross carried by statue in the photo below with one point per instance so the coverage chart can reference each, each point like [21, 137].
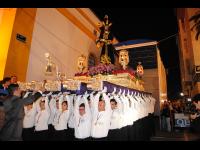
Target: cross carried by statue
[104, 42]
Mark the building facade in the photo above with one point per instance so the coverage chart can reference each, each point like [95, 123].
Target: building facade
[26, 34]
[189, 52]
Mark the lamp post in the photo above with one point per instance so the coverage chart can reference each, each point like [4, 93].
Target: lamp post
[181, 94]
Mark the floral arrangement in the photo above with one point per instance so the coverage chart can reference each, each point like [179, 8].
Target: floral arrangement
[81, 74]
[130, 71]
[101, 69]
[108, 69]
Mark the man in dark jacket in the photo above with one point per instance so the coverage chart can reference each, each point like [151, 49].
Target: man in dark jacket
[4, 85]
[165, 116]
[14, 113]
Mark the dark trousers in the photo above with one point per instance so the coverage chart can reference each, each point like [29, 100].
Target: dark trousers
[132, 132]
[138, 128]
[60, 135]
[124, 133]
[28, 134]
[114, 135]
[153, 126]
[129, 128]
[85, 139]
[142, 129]
[195, 125]
[146, 125]
[51, 132]
[70, 134]
[100, 139]
[41, 135]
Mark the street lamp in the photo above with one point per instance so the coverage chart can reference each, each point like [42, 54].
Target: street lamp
[181, 94]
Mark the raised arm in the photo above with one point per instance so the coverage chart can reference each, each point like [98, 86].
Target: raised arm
[47, 104]
[95, 102]
[76, 107]
[52, 104]
[70, 103]
[87, 107]
[34, 107]
[119, 104]
[92, 101]
[107, 103]
[25, 109]
[123, 107]
[60, 102]
[31, 98]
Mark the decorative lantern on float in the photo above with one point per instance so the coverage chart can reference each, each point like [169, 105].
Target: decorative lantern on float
[81, 64]
[124, 58]
[140, 70]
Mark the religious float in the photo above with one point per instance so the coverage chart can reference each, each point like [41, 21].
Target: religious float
[106, 70]
[94, 77]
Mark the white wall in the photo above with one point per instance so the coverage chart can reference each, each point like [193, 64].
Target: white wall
[55, 34]
[151, 84]
[82, 18]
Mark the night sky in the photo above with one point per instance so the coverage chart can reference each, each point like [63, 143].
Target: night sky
[149, 23]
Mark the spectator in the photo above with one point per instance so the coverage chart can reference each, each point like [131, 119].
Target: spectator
[3, 96]
[13, 80]
[165, 117]
[4, 85]
[195, 122]
[171, 115]
[177, 108]
[14, 107]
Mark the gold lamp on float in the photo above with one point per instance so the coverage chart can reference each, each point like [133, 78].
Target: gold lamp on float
[124, 58]
[140, 70]
[50, 65]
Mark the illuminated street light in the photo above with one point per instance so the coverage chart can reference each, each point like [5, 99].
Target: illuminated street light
[181, 94]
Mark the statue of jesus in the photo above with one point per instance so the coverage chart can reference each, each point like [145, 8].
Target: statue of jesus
[105, 42]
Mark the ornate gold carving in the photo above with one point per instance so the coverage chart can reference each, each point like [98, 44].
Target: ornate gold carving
[124, 58]
[81, 63]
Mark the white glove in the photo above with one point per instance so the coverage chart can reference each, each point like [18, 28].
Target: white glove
[104, 90]
[85, 93]
[59, 93]
[120, 91]
[128, 93]
[114, 90]
[123, 93]
[49, 94]
[26, 95]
